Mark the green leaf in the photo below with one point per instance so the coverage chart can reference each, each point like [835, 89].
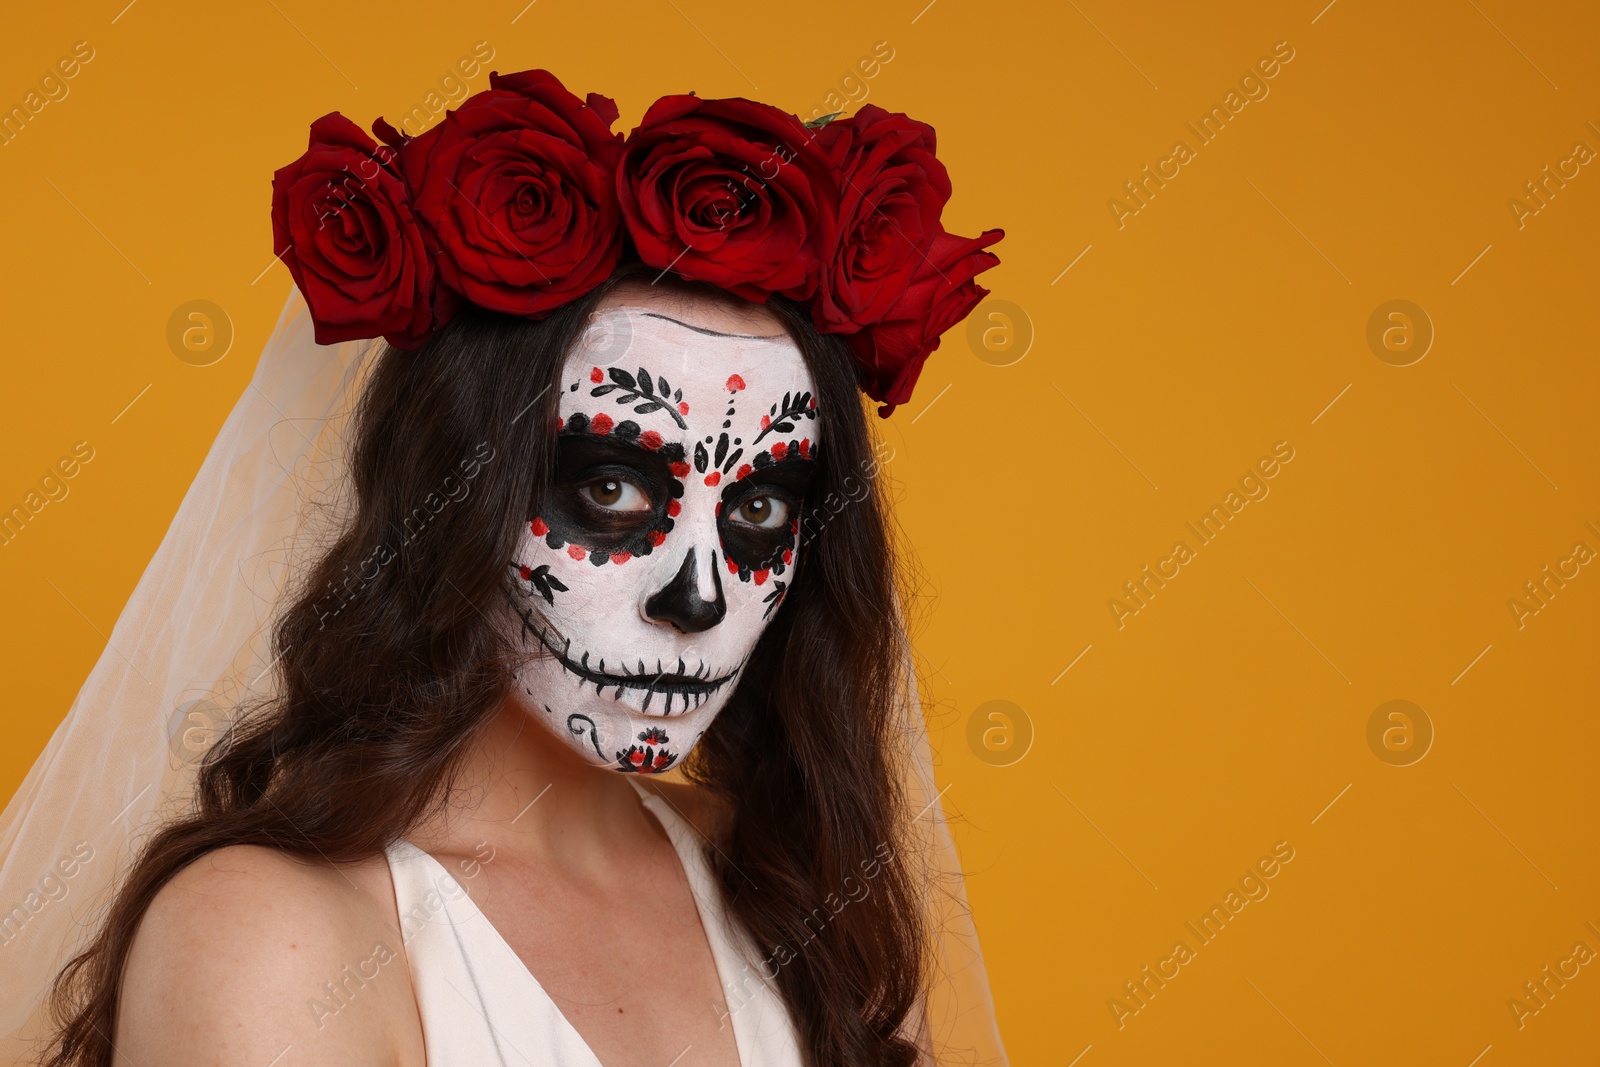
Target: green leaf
[822, 120]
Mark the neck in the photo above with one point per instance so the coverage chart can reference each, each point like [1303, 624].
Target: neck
[520, 788]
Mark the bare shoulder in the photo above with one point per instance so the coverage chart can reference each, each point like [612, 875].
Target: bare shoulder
[701, 808]
[248, 951]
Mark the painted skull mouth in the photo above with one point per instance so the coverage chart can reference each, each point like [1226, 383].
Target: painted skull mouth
[689, 689]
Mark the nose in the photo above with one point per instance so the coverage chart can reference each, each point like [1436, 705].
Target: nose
[679, 602]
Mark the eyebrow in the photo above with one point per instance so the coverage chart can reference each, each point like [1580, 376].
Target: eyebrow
[714, 333]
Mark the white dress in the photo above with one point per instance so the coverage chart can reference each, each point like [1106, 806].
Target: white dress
[481, 1006]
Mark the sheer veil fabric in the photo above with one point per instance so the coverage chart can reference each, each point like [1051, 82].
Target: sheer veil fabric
[193, 644]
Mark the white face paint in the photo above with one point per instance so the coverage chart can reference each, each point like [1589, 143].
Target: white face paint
[667, 543]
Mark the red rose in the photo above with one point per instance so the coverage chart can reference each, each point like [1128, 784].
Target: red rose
[892, 190]
[942, 293]
[730, 192]
[517, 188]
[342, 223]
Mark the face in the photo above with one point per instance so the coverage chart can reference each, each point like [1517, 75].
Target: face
[687, 440]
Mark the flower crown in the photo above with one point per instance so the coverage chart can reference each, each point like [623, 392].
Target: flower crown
[523, 199]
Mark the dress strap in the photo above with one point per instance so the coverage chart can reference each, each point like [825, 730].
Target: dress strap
[479, 1004]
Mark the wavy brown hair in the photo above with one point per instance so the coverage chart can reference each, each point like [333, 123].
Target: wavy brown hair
[380, 700]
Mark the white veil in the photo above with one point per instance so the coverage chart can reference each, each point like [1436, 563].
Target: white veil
[190, 645]
[193, 643]
[961, 1021]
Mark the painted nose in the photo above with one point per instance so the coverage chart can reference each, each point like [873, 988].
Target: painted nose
[679, 602]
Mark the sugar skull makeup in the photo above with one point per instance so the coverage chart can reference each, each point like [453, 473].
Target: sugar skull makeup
[669, 538]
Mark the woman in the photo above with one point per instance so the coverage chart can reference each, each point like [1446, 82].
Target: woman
[603, 489]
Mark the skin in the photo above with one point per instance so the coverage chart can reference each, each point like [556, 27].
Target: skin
[235, 945]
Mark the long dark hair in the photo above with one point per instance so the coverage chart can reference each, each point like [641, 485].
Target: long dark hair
[381, 698]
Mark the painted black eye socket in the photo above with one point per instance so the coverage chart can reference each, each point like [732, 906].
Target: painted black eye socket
[758, 514]
[613, 493]
[608, 495]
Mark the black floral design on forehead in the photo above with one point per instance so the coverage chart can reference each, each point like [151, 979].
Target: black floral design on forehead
[645, 394]
[795, 406]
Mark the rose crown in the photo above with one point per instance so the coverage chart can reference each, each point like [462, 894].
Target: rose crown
[523, 199]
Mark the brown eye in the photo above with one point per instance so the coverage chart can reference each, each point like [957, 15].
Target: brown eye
[615, 494]
[763, 511]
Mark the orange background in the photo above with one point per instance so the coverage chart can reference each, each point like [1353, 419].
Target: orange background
[1225, 316]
